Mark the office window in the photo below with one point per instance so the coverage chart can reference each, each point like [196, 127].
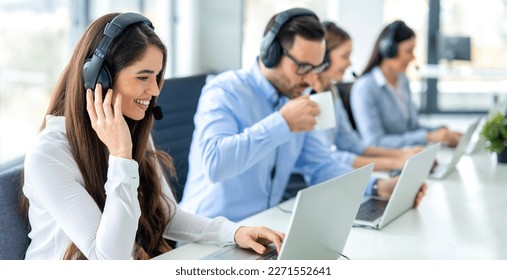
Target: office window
[472, 69]
[477, 83]
[33, 51]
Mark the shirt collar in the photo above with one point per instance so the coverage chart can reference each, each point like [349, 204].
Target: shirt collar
[56, 122]
[379, 77]
[266, 89]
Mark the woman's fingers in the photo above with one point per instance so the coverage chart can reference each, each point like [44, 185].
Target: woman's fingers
[117, 107]
[256, 237]
[99, 104]
[90, 105]
[420, 195]
[107, 105]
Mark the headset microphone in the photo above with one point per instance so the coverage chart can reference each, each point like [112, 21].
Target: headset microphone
[157, 113]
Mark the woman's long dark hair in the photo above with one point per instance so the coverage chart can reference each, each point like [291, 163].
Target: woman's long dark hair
[91, 155]
[402, 33]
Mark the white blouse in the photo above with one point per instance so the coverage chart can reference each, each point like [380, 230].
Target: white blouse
[61, 210]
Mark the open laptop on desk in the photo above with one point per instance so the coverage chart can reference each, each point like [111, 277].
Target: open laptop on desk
[377, 213]
[320, 222]
[443, 169]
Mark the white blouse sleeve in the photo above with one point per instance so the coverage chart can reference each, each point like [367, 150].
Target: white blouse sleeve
[188, 227]
[56, 186]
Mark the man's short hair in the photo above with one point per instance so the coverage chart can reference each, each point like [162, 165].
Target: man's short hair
[308, 27]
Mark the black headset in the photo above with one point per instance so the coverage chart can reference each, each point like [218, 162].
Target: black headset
[271, 50]
[93, 69]
[327, 24]
[387, 46]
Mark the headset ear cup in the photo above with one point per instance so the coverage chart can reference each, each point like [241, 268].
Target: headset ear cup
[86, 75]
[326, 60]
[391, 49]
[273, 55]
[387, 48]
[105, 79]
[382, 47]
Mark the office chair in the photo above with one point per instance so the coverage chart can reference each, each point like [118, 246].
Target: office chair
[14, 228]
[344, 90]
[178, 98]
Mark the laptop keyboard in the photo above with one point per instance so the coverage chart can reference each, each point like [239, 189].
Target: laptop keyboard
[371, 210]
[273, 255]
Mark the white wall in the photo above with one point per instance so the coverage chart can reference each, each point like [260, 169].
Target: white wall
[185, 28]
[208, 36]
[363, 20]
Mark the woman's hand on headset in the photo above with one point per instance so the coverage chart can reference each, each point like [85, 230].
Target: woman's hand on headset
[108, 122]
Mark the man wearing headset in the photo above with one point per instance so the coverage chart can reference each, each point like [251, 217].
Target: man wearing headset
[252, 126]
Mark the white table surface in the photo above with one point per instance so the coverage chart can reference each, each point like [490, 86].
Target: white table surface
[461, 217]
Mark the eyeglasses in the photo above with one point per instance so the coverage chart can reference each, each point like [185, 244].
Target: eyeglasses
[305, 68]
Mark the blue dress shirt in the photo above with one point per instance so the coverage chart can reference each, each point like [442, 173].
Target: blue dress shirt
[379, 116]
[238, 136]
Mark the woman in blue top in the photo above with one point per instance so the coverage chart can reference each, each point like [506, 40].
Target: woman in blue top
[381, 98]
[343, 140]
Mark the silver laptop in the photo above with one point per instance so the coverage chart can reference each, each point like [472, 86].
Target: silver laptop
[446, 167]
[320, 222]
[477, 143]
[377, 213]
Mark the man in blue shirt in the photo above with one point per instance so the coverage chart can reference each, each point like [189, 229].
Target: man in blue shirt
[252, 126]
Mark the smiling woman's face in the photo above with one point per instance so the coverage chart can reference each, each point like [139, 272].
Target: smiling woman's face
[137, 83]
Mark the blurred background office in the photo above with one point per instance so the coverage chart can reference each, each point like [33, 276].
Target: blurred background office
[460, 68]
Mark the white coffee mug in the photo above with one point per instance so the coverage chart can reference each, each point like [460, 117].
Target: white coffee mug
[327, 118]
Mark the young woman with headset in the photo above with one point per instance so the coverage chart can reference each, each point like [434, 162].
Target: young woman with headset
[343, 141]
[381, 98]
[94, 183]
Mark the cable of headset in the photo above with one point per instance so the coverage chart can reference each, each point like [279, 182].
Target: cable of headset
[273, 174]
[283, 210]
[345, 257]
[273, 170]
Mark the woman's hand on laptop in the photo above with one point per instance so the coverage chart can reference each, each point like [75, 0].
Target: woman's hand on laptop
[386, 187]
[420, 194]
[256, 237]
[444, 135]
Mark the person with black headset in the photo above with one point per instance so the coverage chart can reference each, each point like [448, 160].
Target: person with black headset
[94, 184]
[381, 98]
[343, 141]
[252, 126]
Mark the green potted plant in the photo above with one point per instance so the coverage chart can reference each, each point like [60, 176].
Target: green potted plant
[495, 132]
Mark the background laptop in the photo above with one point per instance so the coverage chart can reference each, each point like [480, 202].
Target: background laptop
[320, 222]
[376, 213]
[445, 167]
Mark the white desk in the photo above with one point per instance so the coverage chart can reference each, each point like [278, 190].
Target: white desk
[461, 217]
